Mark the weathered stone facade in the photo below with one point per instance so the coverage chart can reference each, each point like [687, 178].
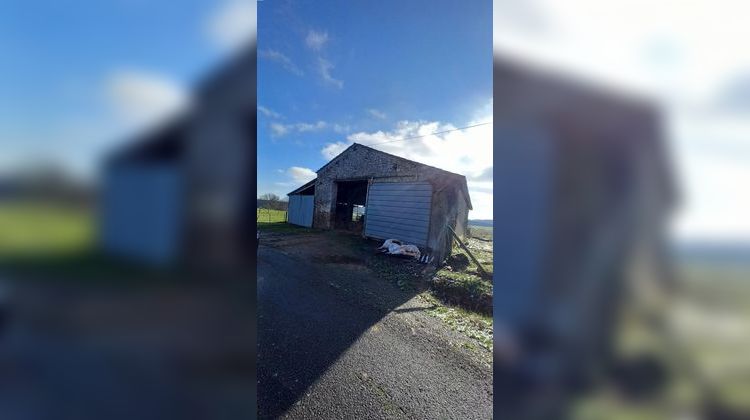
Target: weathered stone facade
[220, 163]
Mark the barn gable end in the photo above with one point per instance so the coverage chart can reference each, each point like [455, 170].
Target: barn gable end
[346, 183]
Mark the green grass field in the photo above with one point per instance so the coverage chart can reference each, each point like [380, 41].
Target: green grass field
[28, 229]
[481, 232]
[32, 228]
[50, 241]
[708, 315]
[270, 216]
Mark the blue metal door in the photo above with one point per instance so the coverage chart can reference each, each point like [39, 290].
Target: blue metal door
[301, 210]
[399, 210]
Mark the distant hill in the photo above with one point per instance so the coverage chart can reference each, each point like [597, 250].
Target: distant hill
[481, 222]
[714, 252]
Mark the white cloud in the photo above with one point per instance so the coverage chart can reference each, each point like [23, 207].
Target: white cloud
[466, 152]
[377, 114]
[341, 129]
[316, 40]
[279, 130]
[666, 47]
[300, 175]
[282, 59]
[715, 203]
[305, 127]
[483, 176]
[482, 202]
[689, 56]
[324, 68]
[734, 98]
[331, 150]
[143, 98]
[234, 24]
[293, 177]
[268, 113]
[713, 169]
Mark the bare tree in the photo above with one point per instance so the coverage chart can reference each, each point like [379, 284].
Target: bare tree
[270, 197]
[271, 201]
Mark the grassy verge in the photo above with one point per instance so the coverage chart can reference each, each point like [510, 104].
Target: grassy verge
[461, 296]
[708, 315]
[460, 283]
[463, 289]
[472, 324]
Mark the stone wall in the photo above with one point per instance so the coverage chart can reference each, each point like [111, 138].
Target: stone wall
[220, 161]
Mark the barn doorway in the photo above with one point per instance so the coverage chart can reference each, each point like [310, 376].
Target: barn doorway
[351, 198]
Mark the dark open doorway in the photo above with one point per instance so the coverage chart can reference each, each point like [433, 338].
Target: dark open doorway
[351, 197]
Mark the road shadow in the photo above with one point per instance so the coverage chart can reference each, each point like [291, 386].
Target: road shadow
[312, 307]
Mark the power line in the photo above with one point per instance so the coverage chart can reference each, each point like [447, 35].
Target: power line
[432, 134]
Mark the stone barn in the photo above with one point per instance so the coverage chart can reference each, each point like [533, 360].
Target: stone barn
[584, 193]
[186, 190]
[383, 196]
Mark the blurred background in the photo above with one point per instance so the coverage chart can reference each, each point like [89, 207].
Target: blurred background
[84, 78]
[87, 87]
[687, 330]
[80, 78]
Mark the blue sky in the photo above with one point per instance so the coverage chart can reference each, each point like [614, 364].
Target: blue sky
[335, 72]
[78, 76]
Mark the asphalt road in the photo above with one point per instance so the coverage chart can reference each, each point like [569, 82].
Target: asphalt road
[335, 343]
[85, 352]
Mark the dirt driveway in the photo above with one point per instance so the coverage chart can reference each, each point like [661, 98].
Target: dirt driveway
[338, 339]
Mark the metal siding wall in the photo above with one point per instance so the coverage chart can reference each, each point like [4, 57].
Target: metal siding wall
[301, 210]
[308, 205]
[142, 216]
[292, 211]
[524, 161]
[399, 211]
[293, 215]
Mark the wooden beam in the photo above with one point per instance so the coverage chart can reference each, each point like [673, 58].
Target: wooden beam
[479, 266]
